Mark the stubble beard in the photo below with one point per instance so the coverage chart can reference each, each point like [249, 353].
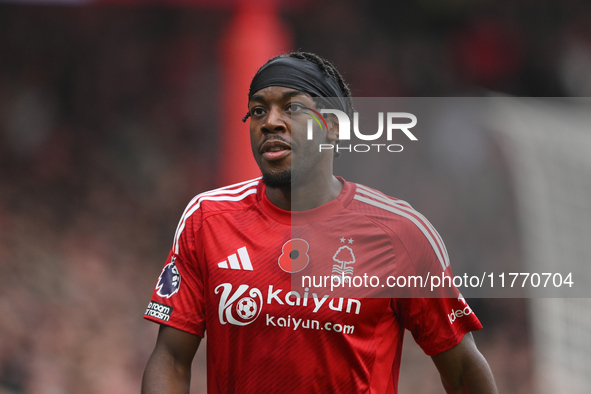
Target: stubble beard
[291, 177]
[279, 180]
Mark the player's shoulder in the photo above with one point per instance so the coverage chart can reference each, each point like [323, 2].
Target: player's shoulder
[409, 225]
[395, 214]
[234, 197]
[228, 198]
[379, 206]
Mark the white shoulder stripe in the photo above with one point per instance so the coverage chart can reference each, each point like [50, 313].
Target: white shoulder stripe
[255, 180]
[395, 202]
[222, 190]
[380, 196]
[222, 194]
[444, 261]
[406, 206]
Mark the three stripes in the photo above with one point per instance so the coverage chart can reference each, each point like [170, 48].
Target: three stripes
[402, 208]
[235, 262]
[222, 194]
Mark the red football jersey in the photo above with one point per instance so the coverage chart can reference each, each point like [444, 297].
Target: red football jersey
[231, 271]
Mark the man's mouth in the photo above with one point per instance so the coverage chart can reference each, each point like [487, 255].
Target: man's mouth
[275, 150]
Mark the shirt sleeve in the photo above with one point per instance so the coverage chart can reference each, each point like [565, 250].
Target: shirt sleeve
[437, 320]
[178, 299]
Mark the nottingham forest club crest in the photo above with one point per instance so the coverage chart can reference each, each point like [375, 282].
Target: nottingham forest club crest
[344, 258]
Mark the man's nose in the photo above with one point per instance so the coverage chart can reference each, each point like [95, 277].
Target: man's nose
[275, 121]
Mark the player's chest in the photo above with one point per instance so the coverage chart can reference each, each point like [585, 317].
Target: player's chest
[267, 252]
[265, 273]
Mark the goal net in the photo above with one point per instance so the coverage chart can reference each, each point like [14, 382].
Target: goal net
[548, 147]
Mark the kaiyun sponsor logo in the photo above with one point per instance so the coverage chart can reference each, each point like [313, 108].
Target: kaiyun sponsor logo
[242, 306]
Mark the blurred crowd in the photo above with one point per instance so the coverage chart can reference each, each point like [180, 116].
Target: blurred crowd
[108, 126]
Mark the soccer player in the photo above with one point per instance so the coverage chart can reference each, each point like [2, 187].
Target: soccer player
[236, 250]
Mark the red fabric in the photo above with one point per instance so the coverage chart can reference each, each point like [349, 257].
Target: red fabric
[264, 334]
[254, 35]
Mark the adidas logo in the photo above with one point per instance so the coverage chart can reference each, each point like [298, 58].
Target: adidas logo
[235, 261]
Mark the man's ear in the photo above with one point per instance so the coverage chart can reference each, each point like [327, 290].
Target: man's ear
[332, 133]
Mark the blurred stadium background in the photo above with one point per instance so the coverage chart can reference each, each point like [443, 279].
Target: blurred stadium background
[113, 114]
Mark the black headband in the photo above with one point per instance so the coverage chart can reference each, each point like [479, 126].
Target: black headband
[300, 75]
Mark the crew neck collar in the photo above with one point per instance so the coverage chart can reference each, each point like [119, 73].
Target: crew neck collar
[298, 218]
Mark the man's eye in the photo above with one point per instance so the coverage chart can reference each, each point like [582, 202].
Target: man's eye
[257, 111]
[295, 107]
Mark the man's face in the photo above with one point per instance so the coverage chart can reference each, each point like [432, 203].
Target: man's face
[278, 131]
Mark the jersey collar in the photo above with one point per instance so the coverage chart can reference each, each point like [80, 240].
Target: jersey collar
[297, 218]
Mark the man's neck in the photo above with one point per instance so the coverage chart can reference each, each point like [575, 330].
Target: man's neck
[306, 196]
